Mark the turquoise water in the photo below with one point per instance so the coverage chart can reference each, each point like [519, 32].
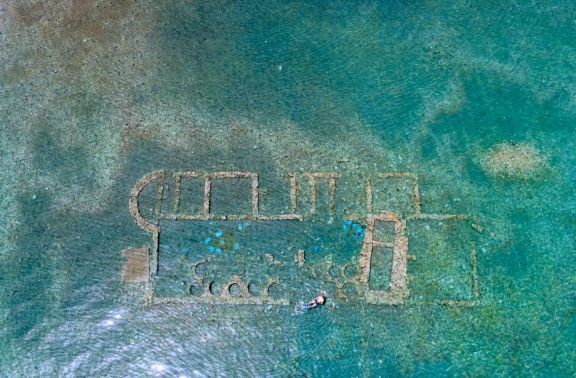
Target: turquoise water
[94, 96]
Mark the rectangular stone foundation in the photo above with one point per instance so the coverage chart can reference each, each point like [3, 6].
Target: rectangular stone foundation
[136, 267]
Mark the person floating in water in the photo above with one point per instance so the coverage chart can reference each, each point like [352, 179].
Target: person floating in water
[318, 301]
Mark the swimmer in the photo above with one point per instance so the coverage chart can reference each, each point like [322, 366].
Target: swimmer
[318, 301]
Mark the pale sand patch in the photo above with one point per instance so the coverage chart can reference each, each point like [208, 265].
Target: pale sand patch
[511, 160]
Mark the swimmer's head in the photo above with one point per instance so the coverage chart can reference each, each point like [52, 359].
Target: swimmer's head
[321, 299]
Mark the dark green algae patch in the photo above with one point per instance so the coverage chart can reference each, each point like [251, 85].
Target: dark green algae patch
[425, 82]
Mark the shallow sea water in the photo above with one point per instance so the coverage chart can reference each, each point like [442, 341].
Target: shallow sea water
[476, 100]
